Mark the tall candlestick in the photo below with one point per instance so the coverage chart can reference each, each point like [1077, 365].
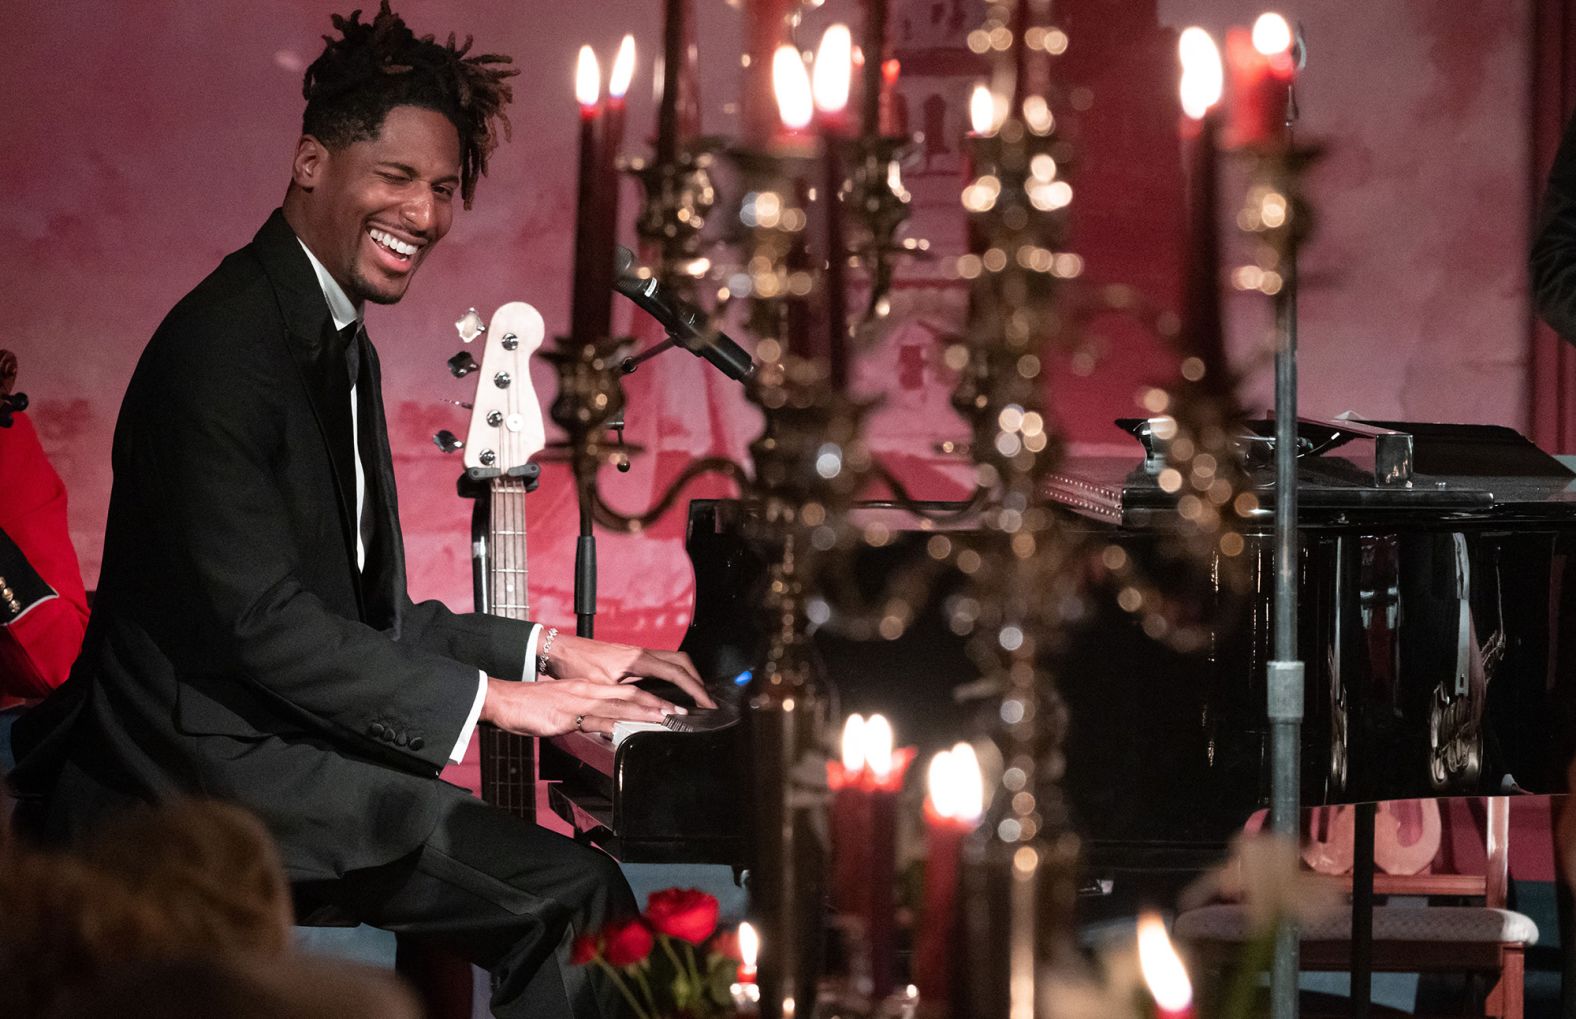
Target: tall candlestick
[850, 820]
[874, 47]
[880, 905]
[952, 810]
[1202, 335]
[796, 108]
[836, 267]
[678, 83]
[1021, 85]
[866, 784]
[607, 169]
[833, 69]
[591, 308]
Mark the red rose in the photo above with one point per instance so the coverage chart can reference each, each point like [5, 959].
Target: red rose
[684, 913]
[586, 948]
[626, 942]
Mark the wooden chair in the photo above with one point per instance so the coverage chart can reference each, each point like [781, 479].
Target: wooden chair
[1487, 939]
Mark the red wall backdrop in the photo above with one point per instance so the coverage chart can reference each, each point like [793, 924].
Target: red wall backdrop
[143, 141]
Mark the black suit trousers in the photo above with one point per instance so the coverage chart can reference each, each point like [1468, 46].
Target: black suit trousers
[506, 895]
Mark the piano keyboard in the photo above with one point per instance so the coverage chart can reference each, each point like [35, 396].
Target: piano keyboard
[698, 720]
[623, 730]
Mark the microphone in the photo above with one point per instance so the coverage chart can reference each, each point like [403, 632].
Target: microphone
[687, 324]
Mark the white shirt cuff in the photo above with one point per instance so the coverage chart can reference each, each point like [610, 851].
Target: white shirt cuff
[528, 674]
[458, 753]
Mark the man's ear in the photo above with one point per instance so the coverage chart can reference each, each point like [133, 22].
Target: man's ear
[310, 162]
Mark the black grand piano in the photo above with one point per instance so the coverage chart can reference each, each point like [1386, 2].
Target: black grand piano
[1437, 621]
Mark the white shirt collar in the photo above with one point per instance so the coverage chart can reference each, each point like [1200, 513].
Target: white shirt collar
[339, 305]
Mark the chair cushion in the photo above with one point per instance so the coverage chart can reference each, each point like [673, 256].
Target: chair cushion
[1461, 924]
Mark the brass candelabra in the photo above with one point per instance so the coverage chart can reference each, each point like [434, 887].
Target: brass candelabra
[1025, 568]
[804, 470]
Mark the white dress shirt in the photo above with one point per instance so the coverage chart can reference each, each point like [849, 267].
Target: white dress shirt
[344, 313]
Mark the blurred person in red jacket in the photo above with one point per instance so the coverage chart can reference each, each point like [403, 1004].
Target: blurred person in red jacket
[43, 608]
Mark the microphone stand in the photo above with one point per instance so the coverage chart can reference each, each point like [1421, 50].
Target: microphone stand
[629, 364]
[1285, 680]
[585, 545]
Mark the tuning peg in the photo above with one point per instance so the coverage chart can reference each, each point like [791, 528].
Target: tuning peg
[448, 441]
[462, 364]
[470, 326]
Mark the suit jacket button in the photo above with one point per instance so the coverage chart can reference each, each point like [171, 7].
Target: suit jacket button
[375, 729]
[416, 742]
[401, 739]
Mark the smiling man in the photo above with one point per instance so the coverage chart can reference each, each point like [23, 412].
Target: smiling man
[366, 211]
[252, 638]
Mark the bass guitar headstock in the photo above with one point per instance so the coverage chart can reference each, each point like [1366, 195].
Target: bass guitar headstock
[506, 428]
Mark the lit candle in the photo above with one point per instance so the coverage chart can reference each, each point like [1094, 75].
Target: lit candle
[791, 87]
[983, 119]
[830, 78]
[587, 322]
[952, 810]
[607, 165]
[1261, 76]
[850, 820]
[982, 124]
[1202, 336]
[744, 991]
[617, 86]
[795, 110]
[829, 84]
[1201, 76]
[749, 951]
[866, 783]
[1164, 974]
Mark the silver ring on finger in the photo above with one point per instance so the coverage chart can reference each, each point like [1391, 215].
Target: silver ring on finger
[579, 720]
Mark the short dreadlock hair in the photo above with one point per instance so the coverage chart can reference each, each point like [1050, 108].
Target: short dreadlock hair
[377, 66]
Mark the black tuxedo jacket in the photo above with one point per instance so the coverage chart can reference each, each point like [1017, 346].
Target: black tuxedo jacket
[234, 650]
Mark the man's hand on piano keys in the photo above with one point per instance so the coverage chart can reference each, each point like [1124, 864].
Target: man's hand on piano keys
[554, 708]
[601, 661]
